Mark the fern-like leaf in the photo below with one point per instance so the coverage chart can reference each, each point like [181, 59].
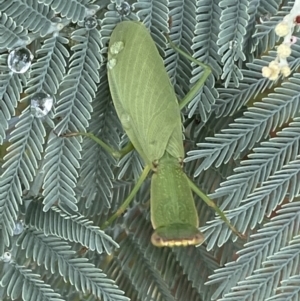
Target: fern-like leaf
[267, 241]
[20, 167]
[11, 35]
[49, 250]
[278, 266]
[266, 116]
[74, 10]
[11, 87]
[48, 71]
[30, 14]
[231, 38]
[262, 163]
[74, 228]
[18, 280]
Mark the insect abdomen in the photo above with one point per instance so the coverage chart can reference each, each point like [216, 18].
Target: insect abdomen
[173, 212]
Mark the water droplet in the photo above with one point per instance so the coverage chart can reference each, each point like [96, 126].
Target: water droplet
[19, 227]
[125, 120]
[6, 257]
[233, 44]
[90, 22]
[19, 60]
[264, 18]
[116, 47]
[111, 63]
[41, 104]
[124, 8]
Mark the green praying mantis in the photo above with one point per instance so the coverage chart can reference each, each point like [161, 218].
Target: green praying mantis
[148, 109]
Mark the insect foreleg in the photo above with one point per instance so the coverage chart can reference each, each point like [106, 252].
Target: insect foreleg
[193, 91]
[126, 203]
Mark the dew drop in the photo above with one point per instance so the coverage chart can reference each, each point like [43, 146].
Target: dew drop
[125, 120]
[6, 257]
[19, 227]
[41, 104]
[233, 44]
[90, 22]
[124, 8]
[59, 26]
[19, 60]
[112, 63]
[116, 47]
[265, 18]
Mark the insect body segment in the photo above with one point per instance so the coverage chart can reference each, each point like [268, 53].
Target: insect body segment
[173, 213]
[147, 106]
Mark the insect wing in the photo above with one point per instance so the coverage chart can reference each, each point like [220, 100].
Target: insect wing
[142, 93]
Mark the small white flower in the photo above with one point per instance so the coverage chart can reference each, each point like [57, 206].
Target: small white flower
[282, 29]
[284, 51]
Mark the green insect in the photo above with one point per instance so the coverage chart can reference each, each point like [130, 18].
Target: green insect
[148, 109]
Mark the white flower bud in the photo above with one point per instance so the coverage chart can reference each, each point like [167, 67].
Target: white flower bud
[282, 29]
[284, 51]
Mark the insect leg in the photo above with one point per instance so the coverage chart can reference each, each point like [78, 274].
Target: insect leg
[190, 95]
[211, 204]
[123, 207]
[118, 154]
